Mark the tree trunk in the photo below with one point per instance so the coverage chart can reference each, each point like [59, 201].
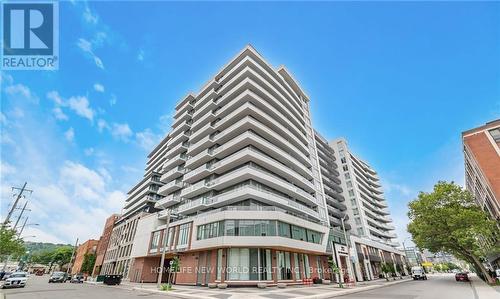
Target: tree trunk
[481, 267]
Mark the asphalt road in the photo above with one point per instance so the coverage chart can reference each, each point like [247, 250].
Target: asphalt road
[39, 288]
[436, 287]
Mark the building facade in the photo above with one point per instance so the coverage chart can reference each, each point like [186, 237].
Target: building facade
[481, 147]
[89, 247]
[252, 192]
[102, 245]
[482, 166]
[367, 207]
[242, 178]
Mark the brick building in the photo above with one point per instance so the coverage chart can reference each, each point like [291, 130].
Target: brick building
[89, 247]
[103, 243]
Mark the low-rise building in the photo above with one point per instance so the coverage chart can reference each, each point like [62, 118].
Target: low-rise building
[103, 243]
[89, 247]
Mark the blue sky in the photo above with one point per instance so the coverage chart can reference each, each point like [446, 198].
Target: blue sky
[399, 81]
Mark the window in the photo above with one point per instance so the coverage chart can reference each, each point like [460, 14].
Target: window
[495, 134]
[183, 234]
[345, 168]
[298, 233]
[155, 239]
[296, 266]
[284, 265]
[351, 192]
[305, 265]
[248, 264]
[219, 264]
[353, 202]
[347, 175]
[358, 220]
[355, 211]
[284, 230]
[360, 231]
[349, 184]
[313, 237]
[343, 160]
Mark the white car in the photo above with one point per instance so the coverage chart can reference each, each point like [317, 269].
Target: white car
[16, 280]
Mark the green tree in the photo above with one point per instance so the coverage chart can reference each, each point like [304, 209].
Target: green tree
[10, 244]
[386, 269]
[62, 255]
[448, 220]
[88, 263]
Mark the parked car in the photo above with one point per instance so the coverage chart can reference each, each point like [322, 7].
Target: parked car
[462, 276]
[418, 273]
[15, 280]
[77, 278]
[58, 277]
[6, 275]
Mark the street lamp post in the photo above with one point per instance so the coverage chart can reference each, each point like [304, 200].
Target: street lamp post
[406, 254]
[164, 249]
[349, 264]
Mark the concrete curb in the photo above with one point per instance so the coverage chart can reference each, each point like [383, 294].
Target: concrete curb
[172, 293]
[353, 291]
[320, 296]
[482, 290]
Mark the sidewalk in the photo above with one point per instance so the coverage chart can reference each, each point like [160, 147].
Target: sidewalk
[299, 292]
[482, 290]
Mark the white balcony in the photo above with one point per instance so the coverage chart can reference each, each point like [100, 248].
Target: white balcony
[173, 174]
[177, 149]
[168, 201]
[182, 137]
[245, 192]
[182, 117]
[171, 187]
[174, 162]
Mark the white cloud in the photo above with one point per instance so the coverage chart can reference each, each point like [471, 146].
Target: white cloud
[147, 139]
[70, 134]
[101, 125]
[22, 91]
[87, 48]
[6, 79]
[98, 87]
[70, 199]
[59, 114]
[6, 168]
[89, 16]
[3, 119]
[393, 187]
[121, 131]
[79, 104]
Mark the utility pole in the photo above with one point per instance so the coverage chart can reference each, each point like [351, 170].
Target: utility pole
[22, 228]
[164, 249]
[72, 253]
[6, 221]
[21, 214]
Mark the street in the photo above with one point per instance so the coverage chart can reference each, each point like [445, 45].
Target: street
[39, 288]
[441, 286]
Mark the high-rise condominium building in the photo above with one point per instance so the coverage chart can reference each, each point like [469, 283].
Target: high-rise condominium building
[372, 233]
[242, 180]
[482, 166]
[141, 200]
[367, 206]
[482, 174]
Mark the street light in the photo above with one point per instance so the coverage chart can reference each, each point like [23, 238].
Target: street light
[348, 247]
[406, 254]
[164, 247]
